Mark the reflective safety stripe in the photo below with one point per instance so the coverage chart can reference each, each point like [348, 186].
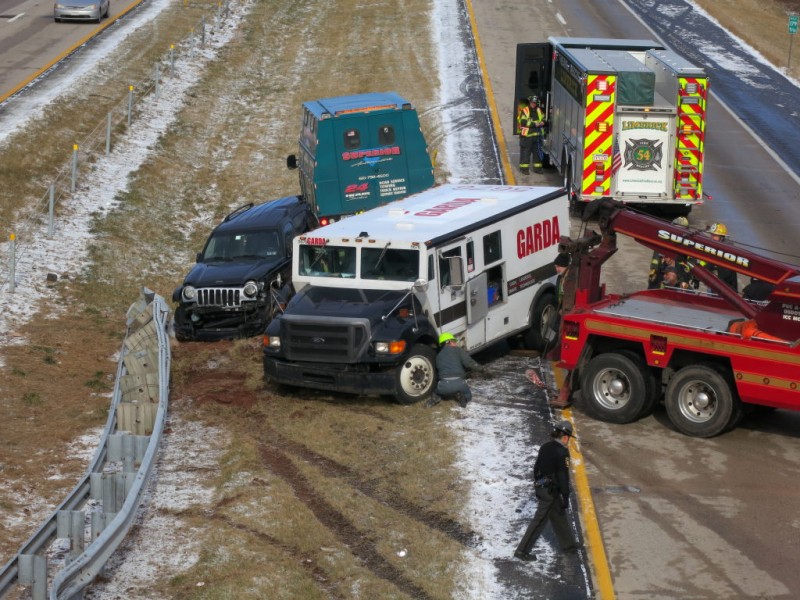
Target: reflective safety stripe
[601, 95]
[689, 149]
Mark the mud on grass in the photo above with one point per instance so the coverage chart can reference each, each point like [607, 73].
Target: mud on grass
[353, 492]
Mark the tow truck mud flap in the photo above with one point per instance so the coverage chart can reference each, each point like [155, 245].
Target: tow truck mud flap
[324, 377]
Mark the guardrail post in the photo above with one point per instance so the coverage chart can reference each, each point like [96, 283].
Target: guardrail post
[12, 262]
[172, 60]
[51, 208]
[33, 572]
[156, 76]
[130, 104]
[108, 133]
[203, 32]
[74, 168]
[70, 524]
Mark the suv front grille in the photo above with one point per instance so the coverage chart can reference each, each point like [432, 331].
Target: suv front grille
[324, 339]
[224, 297]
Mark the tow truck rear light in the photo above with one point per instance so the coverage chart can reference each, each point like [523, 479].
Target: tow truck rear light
[571, 330]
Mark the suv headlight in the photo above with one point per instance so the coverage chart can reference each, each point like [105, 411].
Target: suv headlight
[250, 289]
[189, 293]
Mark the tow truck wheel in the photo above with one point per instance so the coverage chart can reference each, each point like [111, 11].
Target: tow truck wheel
[651, 384]
[614, 388]
[700, 402]
[415, 378]
[544, 316]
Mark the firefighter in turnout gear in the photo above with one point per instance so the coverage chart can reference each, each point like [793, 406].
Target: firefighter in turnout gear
[530, 120]
[551, 486]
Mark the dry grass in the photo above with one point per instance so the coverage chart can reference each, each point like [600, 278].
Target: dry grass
[315, 497]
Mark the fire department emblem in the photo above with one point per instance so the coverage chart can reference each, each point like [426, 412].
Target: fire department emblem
[643, 155]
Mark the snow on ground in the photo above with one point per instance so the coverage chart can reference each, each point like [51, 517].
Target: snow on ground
[496, 453]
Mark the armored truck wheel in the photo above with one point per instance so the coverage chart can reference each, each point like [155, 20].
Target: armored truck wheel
[700, 402]
[614, 388]
[416, 377]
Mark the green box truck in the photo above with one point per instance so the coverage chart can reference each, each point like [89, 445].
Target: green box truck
[360, 151]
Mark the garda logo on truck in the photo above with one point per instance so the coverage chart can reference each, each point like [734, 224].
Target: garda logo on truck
[538, 237]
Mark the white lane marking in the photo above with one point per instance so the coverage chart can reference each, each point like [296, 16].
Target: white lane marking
[12, 19]
[561, 19]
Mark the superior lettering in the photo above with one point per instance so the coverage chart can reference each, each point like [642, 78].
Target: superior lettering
[705, 248]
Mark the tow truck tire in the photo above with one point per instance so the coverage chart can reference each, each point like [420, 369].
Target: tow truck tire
[700, 402]
[652, 385]
[416, 377]
[614, 388]
[543, 313]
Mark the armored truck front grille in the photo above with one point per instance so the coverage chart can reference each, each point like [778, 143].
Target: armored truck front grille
[224, 297]
[324, 339]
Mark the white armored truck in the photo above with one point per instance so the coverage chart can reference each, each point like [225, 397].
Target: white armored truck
[375, 290]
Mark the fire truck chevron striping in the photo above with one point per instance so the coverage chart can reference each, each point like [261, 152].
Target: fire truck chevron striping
[599, 134]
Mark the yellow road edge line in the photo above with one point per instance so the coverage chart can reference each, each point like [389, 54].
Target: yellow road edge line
[594, 539]
[498, 130]
[69, 51]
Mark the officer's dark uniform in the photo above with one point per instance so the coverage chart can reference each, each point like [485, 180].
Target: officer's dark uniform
[551, 484]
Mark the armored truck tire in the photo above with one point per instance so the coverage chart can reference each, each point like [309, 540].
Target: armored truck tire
[700, 401]
[616, 388]
[544, 315]
[415, 378]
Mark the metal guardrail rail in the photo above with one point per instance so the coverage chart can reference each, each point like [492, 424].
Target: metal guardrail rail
[102, 506]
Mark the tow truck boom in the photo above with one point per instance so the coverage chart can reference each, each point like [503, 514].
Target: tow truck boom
[707, 353]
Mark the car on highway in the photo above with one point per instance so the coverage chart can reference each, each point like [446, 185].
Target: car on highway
[81, 10]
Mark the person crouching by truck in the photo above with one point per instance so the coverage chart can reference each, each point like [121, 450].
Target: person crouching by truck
[452, 364]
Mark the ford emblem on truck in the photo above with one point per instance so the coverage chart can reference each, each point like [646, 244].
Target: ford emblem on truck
[318, 340]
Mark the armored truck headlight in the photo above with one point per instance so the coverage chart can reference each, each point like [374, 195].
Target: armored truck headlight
[272, 341]
[393, 347]
[189, 293]
[250, 289]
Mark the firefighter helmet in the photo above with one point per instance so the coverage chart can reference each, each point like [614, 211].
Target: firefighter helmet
[682, 221]
[446, 337]
[533, 99]
[718, 229]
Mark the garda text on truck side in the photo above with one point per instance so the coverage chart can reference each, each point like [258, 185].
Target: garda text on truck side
[375, 290]
[626, 118]
[358, 152]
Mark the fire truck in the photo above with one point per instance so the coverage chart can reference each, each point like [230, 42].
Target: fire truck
[711, 354]
[626, 119]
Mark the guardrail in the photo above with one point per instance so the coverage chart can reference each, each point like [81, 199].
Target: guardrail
[102, 506]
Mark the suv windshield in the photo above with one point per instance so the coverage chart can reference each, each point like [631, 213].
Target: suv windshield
[264, 243]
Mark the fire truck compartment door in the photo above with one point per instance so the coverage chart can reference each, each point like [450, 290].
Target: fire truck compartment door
[645, 142]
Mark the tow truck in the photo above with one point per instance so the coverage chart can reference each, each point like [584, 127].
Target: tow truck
[711, 352]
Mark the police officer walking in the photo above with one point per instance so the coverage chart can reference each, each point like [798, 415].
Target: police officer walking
[530, 120]
[551, 485]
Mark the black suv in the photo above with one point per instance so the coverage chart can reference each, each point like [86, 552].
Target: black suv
[243, 273]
